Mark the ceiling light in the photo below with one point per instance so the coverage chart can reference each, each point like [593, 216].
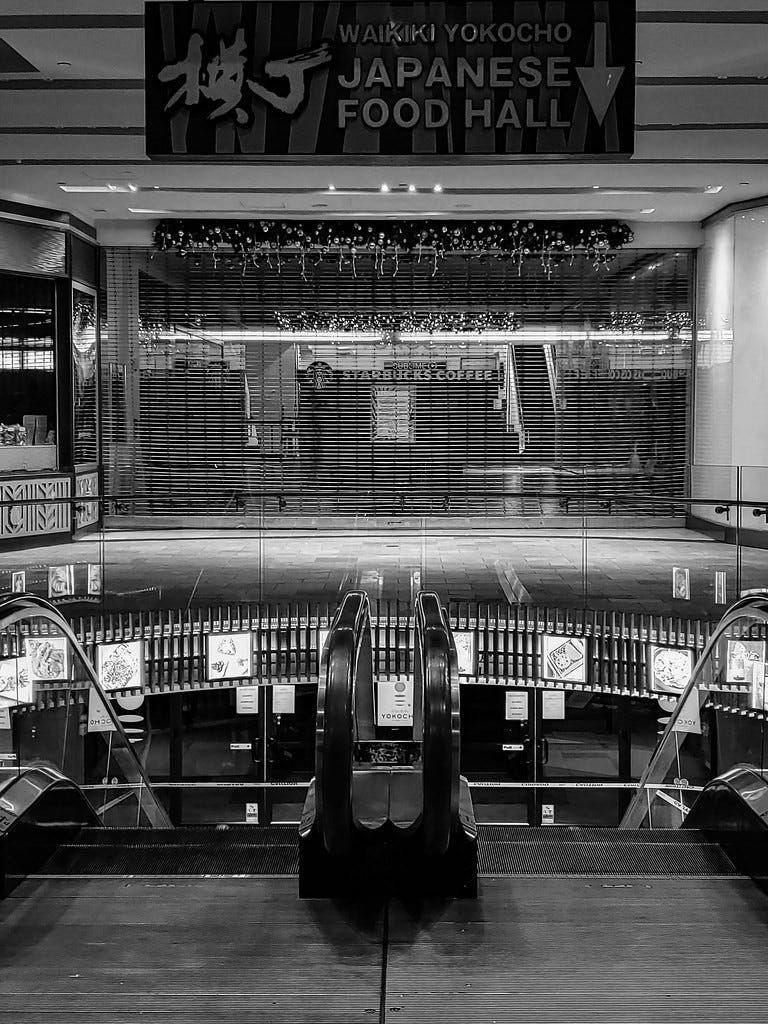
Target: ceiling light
[99, 188]
[331, 188]
[63, 63]
[595, 186]
[411, 188]
[385, 187]
[437, 188]
[712, 190]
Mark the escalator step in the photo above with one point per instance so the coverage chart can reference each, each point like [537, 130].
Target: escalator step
[502, 850]
[594, 851]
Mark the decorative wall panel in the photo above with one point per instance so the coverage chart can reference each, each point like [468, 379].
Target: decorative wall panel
[35, 507]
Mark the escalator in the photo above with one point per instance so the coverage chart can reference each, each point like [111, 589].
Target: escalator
[109, 914]
[388, 809]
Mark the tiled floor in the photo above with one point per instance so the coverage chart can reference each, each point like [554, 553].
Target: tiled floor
[623, 569]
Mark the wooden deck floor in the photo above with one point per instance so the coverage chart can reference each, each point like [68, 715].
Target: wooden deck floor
[548, 950]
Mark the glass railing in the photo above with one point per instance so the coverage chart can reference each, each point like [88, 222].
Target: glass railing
[56, 712]
[716, 722]
[648, 551]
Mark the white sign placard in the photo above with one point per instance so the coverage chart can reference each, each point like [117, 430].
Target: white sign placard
[669, 669]
[741, 655]
[61, 581]
[547, 814]
[564, 658]
[553, 704]
[681, 584]
[120, 666]
[229, 655]
[465, 652]
[252, 814]
[688, 719]
[94, 579]
[757, 690]
[5, 716]
[283, 699]
[241, 746]
[15, 683]
[394, 702]
[48, 659]
[516, 706]
[98, 716]
[247, 700]
[19, 582]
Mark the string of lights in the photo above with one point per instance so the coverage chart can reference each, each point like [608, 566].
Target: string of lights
[256, 242]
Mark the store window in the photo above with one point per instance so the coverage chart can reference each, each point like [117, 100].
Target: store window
[27, 374]
[85, 376]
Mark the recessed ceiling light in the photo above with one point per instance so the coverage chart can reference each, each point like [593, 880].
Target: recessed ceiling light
[437, 188]
[63, 63]
[411, 188]
[385, 187]
[331, 188]
[743, 182]
[595, 186]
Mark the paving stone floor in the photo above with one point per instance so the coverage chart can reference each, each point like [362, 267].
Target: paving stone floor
[622, 569]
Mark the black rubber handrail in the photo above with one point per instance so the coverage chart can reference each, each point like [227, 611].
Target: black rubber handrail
[24, 791]
[435, 670]
[735, 801]
[348, 642]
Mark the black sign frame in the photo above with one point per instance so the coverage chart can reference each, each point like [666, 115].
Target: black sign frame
[286, 80]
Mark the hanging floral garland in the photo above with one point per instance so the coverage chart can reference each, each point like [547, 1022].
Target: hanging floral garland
[271, 242]
[393, 324]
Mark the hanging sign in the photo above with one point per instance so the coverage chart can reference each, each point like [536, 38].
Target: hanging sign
[229, 655]
[669, 669]
[563, 657]
[99, 719]
[15, 682]
[688, 718]
[367, 79]
[121, 666]
[466, 658]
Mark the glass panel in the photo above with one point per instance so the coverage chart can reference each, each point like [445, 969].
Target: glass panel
[584, 744]
[27, 375]
[85, 376]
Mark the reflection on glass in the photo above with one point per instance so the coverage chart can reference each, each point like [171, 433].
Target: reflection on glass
[85, 376]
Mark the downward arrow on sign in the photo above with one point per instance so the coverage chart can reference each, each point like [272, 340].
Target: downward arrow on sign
[600, 82]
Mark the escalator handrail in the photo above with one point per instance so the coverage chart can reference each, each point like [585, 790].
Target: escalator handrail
[436, 671]
[335, 726]
[749, 789]
[21, 793]
[17, 607]
[757, 605]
